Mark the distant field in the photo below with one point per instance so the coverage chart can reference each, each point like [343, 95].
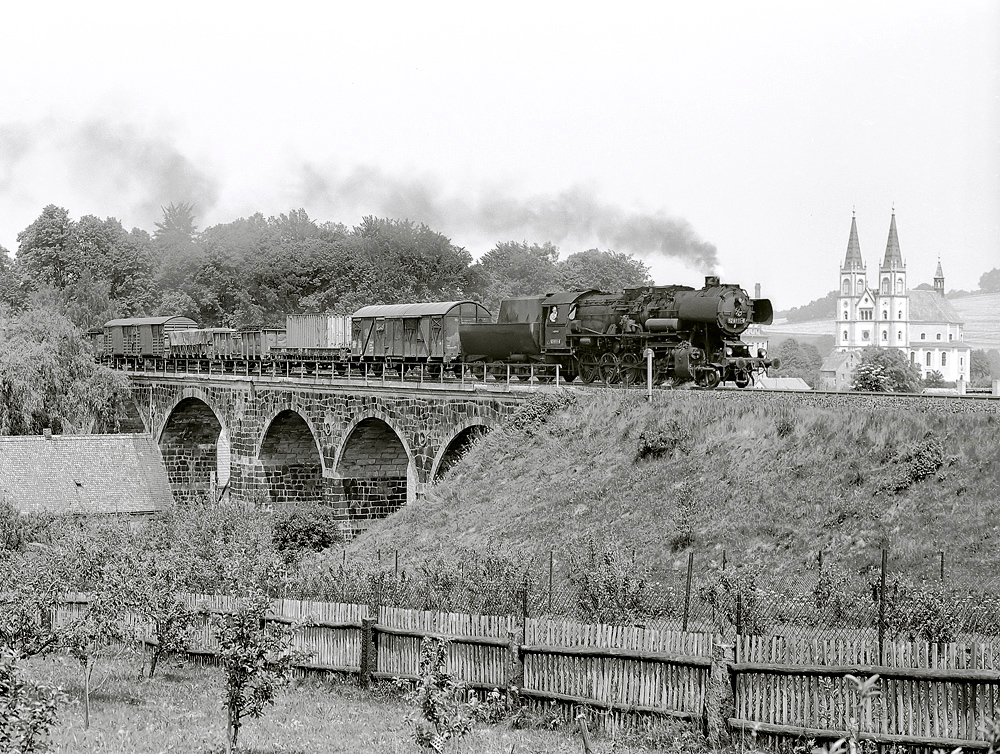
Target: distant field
[982, 319]
[981, 315]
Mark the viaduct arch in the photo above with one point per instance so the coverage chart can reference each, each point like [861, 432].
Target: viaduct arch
[363, 450]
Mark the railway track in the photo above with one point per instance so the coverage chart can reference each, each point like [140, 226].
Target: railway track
[475, 377]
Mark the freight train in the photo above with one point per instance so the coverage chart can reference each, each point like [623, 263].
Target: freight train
[691, 335]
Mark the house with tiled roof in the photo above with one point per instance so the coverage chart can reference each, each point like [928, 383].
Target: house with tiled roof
[84, 474]
[921, 323]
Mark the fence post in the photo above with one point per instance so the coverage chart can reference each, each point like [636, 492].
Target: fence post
[515, 670]
[720, 704]
[524, 612]
[687, 590]
[942, 566]
[369, 651]
[739, 610]
[551, 558]
[881, 610]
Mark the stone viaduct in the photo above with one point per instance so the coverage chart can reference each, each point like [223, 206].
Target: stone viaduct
[365, 450]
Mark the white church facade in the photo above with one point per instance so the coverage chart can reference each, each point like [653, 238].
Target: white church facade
[888, 314]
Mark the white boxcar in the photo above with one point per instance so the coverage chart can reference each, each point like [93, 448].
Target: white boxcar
[309, 331]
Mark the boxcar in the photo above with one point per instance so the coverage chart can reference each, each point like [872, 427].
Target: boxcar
[141, 336]
[413, 332]
[307, 332]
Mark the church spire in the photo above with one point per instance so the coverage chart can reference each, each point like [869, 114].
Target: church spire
[939, 278]
[893, 258]
[853, 260]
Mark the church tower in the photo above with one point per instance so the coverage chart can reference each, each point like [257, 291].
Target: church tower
[893, 307]
[853, 285]
[939, 279]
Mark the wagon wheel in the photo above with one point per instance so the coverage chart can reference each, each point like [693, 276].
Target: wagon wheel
[610, 368]
[433, 370]
[708, 378]
[631, 369]
[587, 369]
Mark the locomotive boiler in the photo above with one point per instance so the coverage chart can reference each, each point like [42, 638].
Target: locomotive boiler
[693, 334]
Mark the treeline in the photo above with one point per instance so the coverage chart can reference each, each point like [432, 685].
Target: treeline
[251, 272]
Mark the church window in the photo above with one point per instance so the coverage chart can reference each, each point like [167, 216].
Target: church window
[885, 336]
[899, 286]
[950, 336]
[944, 359]
[913, 357]
[885, 285]
[928, 358]
[846, 287]
[861, 286]
[923, 336]
[899, 336]
[865, 334]
[845, 315]
[900, 314]
[885, 314]
[961, 361]
[939, 336]
[845, 334]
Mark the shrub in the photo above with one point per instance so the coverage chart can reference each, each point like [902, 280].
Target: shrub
[658, 442]
[920, 611]
[448, 709]
[612, 587]
[27, 711]
[737, 601]
[305, 528]
[915, 464]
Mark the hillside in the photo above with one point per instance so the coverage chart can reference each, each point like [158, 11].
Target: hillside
[981, 315]
[756, 476]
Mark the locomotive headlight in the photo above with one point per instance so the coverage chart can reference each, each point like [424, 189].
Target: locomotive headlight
[729, 351]
[761, 353]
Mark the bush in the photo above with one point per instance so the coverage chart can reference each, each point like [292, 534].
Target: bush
[658, 442]
[305, 528]
[27, 711]
[920, 611]
[612, 587]
[915, 464]
[737, 601]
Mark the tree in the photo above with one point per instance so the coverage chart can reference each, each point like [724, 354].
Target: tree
[610, 271]
[885, 370]
[257, 657]
[48, 378]
[12, 295]
[517, 269]
[99, 559]
[933, 378]
[27, 710]
[984, 365]
[798, 360]
[45, 249]
[989, 282]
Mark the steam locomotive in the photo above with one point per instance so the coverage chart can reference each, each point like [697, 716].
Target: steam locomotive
[691, 335]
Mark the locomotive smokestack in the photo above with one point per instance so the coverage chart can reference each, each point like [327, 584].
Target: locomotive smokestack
[756, 290]
[711, 281]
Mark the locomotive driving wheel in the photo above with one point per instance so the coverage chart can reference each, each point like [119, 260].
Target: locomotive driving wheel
[589, 369]
[610, 367]
[631, 370]
[708, 378]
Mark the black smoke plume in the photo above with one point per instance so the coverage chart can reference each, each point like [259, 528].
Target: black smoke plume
[573, 213]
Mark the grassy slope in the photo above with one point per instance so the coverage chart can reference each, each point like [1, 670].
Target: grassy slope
[734, 483]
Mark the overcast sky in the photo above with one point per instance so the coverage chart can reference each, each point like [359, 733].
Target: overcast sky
[698, 135]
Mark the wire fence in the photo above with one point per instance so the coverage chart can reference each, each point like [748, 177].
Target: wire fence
[830, 600]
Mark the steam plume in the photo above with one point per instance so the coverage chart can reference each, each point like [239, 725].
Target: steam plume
[126, 169]
[573, 213]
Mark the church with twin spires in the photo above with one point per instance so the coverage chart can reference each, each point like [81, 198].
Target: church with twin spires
[921, 323]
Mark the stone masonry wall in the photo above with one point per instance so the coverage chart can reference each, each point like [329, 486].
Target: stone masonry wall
[414, 427]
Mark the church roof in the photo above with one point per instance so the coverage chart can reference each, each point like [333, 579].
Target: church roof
[939, 273]
[893, 258]
[853, 260]
[931, 306]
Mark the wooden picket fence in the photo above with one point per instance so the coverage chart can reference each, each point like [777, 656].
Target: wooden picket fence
[928, 695]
